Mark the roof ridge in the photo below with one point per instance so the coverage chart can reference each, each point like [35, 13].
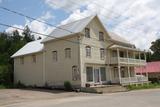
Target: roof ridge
[76, 21]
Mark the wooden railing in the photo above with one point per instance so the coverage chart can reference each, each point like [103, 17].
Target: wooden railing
[133, 80]
[128, 61]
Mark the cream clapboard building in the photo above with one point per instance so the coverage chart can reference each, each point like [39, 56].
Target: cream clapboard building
[82, 52]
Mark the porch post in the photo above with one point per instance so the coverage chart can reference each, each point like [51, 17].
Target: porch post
[119, 72]
[129, 75]
[119, 67]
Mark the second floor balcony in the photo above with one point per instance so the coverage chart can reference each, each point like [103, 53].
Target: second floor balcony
[132, 61]
[126, 55]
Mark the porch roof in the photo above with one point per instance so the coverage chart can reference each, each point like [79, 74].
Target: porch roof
[126, 48]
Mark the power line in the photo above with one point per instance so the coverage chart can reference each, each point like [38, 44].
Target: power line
[41, 21]
[104, 16]
[6, 25]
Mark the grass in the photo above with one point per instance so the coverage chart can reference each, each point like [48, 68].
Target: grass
[144, 86]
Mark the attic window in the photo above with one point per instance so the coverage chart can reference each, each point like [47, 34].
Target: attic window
[101, 36]
[87, 32]
[55, 58]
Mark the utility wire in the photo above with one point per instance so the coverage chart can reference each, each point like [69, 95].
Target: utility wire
[6, 25]
[41, 21]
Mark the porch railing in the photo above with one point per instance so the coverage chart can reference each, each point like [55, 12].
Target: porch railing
[133, 80]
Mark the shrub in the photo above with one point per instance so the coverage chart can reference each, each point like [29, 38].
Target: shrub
[20, 85]
[67, 86]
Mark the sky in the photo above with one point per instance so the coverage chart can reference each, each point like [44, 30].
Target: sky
[135, 20]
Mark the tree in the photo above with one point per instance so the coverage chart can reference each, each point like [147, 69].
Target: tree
[155, 47]
[28, 37]
[9, 44]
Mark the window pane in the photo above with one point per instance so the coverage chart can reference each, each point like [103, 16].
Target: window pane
[88, 51]
[101, 37]
[103, 73]
[67, 53]
[55, 56]
[89, 71]
[102, 53]
[87, 32]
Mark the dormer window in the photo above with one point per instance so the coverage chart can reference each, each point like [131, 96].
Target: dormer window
[101, 36]
[87, 32]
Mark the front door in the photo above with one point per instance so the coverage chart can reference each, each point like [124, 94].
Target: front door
[96, 75]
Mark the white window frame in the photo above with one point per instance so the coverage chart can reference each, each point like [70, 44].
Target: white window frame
[102, 53]
[88, 51]
[68, 53]
[87, 33]
[101, 36]
[55, 56]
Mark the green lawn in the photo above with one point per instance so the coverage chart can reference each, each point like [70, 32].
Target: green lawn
[144, 86]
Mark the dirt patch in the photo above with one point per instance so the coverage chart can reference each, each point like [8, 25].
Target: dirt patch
[11, 96]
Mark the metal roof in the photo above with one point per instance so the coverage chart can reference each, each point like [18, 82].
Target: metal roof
[31, 47]
[68, 29]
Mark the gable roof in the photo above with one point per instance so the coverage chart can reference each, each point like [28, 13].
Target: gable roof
[151, 67]
[31, 47]
[116, 37]
[62, 31]
[77, 26]
[70, 28]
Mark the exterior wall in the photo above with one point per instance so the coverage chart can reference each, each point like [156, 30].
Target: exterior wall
[58, 72]
[29, 73]
[95, 27]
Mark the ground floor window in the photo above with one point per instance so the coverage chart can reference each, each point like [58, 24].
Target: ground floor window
[89, 72]
[75, 73]
[103, 73]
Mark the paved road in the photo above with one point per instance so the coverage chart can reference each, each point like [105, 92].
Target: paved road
[143, 98]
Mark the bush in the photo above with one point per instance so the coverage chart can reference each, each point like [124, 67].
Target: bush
[20, 85]
[5, 74]
[67, 86]
[144, 86]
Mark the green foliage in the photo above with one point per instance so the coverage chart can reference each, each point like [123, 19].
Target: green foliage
[67, 86]
[9, 44]
[144, 86]
[19, 85]
[155, 48]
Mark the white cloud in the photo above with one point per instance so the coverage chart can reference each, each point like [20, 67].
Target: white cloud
[11, 29]
[136, 20]
[66, 4]
[35, 26]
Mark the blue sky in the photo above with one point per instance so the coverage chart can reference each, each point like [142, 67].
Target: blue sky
[135, 20]
[33, 8]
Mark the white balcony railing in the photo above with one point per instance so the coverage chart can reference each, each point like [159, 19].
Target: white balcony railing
[115, 60]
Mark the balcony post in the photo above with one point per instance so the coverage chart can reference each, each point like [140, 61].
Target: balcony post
[139, 56]
[118, 55]
[127, 56]
[145, 56]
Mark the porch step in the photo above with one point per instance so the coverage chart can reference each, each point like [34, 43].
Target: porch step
[105, 89]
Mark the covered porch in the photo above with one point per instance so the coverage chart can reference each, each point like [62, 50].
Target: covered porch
[126, 75]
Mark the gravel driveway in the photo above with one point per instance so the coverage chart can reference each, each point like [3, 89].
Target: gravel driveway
[31, 98]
